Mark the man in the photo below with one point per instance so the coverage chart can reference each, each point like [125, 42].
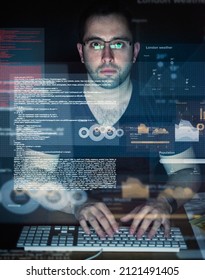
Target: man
[108, 51]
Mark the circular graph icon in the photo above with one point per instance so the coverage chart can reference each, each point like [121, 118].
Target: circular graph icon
[119, 132]
[95, 133]
[83, 132]
[110, 132]
[200, 126]
[17, 201]
[55, 199]
[78, 197]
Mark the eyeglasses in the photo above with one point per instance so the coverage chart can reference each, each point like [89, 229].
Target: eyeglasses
[116, 44]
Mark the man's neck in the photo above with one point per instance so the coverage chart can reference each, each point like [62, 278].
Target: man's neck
[108, 105]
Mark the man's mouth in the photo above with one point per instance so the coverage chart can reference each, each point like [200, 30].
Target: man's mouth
[108, 71]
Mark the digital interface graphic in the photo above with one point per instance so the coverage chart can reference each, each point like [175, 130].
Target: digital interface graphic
[42, 106]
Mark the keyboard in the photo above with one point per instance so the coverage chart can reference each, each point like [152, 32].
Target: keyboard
[73, 238]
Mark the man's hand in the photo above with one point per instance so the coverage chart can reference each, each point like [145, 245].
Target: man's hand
[99, 217]
[148, 218]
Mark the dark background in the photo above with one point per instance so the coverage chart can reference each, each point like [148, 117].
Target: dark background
[155, 23]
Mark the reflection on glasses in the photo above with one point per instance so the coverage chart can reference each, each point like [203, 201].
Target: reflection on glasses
[116, 44]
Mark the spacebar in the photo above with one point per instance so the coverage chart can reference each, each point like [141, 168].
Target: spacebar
[105, 249]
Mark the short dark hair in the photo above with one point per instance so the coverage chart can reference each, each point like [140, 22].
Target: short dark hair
[104, 8]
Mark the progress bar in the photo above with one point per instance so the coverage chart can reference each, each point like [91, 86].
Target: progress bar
[150, 142]
[183, 160]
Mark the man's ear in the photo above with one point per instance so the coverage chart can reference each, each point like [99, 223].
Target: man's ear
[136, 51]
[80, 51]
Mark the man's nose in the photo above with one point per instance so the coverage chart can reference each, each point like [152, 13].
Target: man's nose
[107, 54]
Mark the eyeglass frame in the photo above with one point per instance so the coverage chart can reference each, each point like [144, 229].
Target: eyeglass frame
[107, 42]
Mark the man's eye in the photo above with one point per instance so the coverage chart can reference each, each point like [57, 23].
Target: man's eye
[96, 45]
[117, 45]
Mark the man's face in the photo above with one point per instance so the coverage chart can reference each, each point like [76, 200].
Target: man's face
[108, 51]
